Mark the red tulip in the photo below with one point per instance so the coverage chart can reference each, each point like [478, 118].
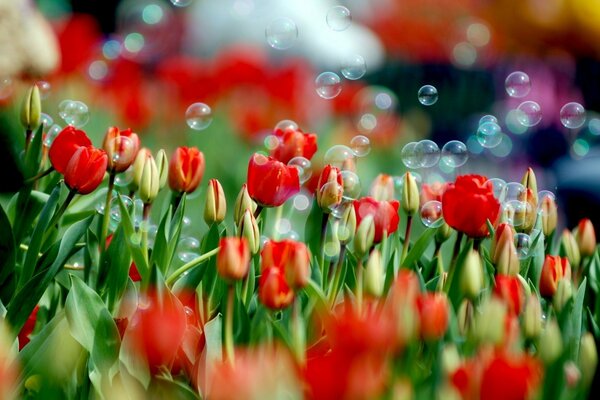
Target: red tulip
[509, 376]
[291, 257]
[433, 191]
[186, 169]
[385, 215]
[273, 290]
[233, 258]
[294, 143]
[86, 169]
[554, 269]
[27, 329]
[585, 237]
[468, 203]
[330, 188]
[271, 182]
[509, 289]
[65, 145]
[433, 315]
[121, 148]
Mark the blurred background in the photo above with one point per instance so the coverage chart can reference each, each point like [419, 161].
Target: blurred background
[221, 74]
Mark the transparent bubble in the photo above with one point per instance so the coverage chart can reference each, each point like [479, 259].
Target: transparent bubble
[338, 155]
[594, 126]
[328, 85]
[188, 243]
[44, 88]
[454, 154]
[123, 148]
[301, 202]
[523, 245]
[271, 142]
[498, 186]
[572, 115]
[427, 95]
[354, 67]
[46, 120]
[51, 135]
[6, 88]
[187, 256]
[304, 167]
[286, 124]
[431, 214]
[542, 194]
[351, 185]
[73, 112]
[198, 116]
[281, 33]
[529, 113]
[335, 210]
[284, 225]
[115, 210]
[374, 108]
[488, 118]
[338, 18]
[361, 145]
[489, 135]
[517, 84]
[138, 213]
[427, 153]
[124, 178]
[518, 211]
[515, 191]
[409, 155]
[181, 3]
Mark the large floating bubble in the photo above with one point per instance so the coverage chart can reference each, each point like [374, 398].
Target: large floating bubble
[198, 116]
[73, 112]
[281, 33]
[572, 115]
[338, 18]
[529, 113]
[354, 67]
[409, 155]
[328, 85]
[427, 95]
[338, 155]
[489, 134]
[517, 84]
[361, 145]
[431, 214]
[304, 167]
[454, 154]
[427, 153]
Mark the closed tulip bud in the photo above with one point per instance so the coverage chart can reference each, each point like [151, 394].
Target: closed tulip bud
[564, 292]
[551, 345]
[145, 175]
[504, 234]
[504, 252]
[532, 318]
[585, 236]
[433, 315]
[382, 188]
[554, 269]
[489, 323]
[215, 206]
[365, 234]
[186, 169]
[471, 280]
[138, 167]
[549, 215]
[443, 233]
[330, 188]
[374, 274]
[163, 167]
[273, 290]
[297, 267]
[233, 258]
[410, 194]
[346, 226]
[31, 110]
[508, 288]
[450, 359]
[243, 202]
[464, 317]
[569, 248]
[85, 170]
[588, 358]
[248, 229]
[527, 213]
[530, 182]
[121, 147]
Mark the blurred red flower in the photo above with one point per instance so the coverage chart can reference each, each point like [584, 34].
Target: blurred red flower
[508, 288]
[385, 215]
[294, 143]
[271, 182]
[554, 269]
[433, 315]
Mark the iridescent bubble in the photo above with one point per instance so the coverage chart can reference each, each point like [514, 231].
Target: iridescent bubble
[188, 248]
[301, 202]
[542, 194]
[523, 245]
[271, 142]
[6, 88]
[427, 153]
[572, 115]
[489, 135]
[198, 116]
[187, 256]
[427, 95]
[515, 191]
[431, 214]
[44, 88]
[115, 210]
[498, 186]
[361, 145]
[517, 84]
[529, 113]
[454, 154]
[51, 135]
[138, 213]
[351, 185]
[328, 85]
[181, 3]
[338, 155]
[46, 120]
[338, 18]
[124, 178]
[286, 124]
[281, 33]
[354, 67]
[488, 118]
[304, 167]
[73, 112]
[409, 156]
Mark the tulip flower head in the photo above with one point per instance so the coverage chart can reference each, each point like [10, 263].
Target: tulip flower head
[65, 145]
[186, 169]
[271, 182]
[330, 188]
[233, 258]
[384, 213]
[121, 147]
[554, 269]
[85, 170]
[433, 315]
[294, 143]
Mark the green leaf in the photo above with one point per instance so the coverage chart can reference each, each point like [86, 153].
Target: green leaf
[34, 153]
[133, 241]
[167, 238]
[164, 388]
[7, 258]
[312, 229]
[418, 249]
[454, 292]
[192, 279]
[115, 269]
[313, 290]
[577, 320]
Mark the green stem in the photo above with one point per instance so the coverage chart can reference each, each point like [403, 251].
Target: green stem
[28, 137]
[324, 220]
[144, 230]
[406, 238]
[228, 353]
[39, 176]
[359, 286]
[452, 267]
[299, 339]
[333, 287]
[278, 215]
[195, 262]
[62, 208]
[106, 216]
[175, 201]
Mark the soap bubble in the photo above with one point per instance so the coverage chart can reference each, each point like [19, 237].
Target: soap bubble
[328, 85]
[198, 116]
[361, 145]
[354, 67]
[409, 156]
[488, 118]
[338, 18]
[454, 154]
[515, 191]
[181, 3]
[51, 135]
[427, 153]
[572, 115]
[338, 155]
[523, 245]
[44, 88]
[286, 124]
[73, 112]
[498, 186]
[281, 33]
[46, 120]
[304, 167]
[489, 134]
[517, 84]
[431, 214]
[352, 186]
[529, 113]
[427, 95]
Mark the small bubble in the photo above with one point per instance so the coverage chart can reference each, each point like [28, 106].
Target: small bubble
[6, 88]
[338, 18]
[489, 135]
[529, 113]
[517, 84]
[181, 3]
[51, 135]
[46, 120]
[198, 116]
[523, 245]
[328, 85]
[352, 186]
[542, 194]
[427, 153]
[124, 178]
[354, 67]
[572, 115]
[338, 155]
[431, 214]
[361, 145]
[454, 154]
[138, 213]
[488, 118]
[284, 226]
[187, 256]
[115, 210]
[281, 33]
[271, 142]
[44, 88]
[73, 112]
[304, 167]
[515, 191]
[301, 202]
[286, 124]
[409, 155]
[498, 186]
[188, 243]
[427, 95]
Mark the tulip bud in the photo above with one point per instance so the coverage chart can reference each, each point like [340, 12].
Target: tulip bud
[215, 206]
[138, 168]
[273, 290]
[508, 260]
[330, 188]
[532, 318]
[233, 258]
[572, 374]
[504, 234]
[85, 170]
[550, 346]
[346, 226]
[569, 249]
[145, 175]
[243, 202]
[549, 215]
[443, 233]
[471, 280]
[564, 292]
[374, 274]
[527, 213]
[186, 169]
[163, 167]
[31, 110]
[382, 188]
[464, 316]
[121, 147]
[297, 264]
[588, 358]
[365, 234]
[489, 323]
[450, 359]
[508, 288]
[585, 236]
[248, 229]
[410, 194]
[554, 269]
[530, 182]
[433, 315]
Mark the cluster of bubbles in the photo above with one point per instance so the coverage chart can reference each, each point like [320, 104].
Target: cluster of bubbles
[375, 109]
[74, 112]
[427, 95]
[426, 154]
[198, 116]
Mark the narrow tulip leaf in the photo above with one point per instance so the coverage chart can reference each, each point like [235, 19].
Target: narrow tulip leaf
[314, 291]
[418, 249]
[133, 241]
[389, 276]
[593, 324]
[537, 254]
[175, 232]
[454, 292]
[159, 251]
[7, 257]
[577, 320]
[214, 347]
[116, 269]
[164, 388]
[130, 361]
[34, 153]
[312, 229]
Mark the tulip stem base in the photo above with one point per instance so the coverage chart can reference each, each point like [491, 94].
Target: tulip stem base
[406, 243]
[228, 353]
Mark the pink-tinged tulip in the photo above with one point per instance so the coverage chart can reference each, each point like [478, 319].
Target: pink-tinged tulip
[86, 169]
[271, 182]
[186, 169]
[384, 213]
[554, 269]
[273, 290]
[121, 147]
[294, 143]
[433, 315]
[291, 257]
[65, 145]
[586, 237]
[233, 258]
[330, 188]
[432, 191]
